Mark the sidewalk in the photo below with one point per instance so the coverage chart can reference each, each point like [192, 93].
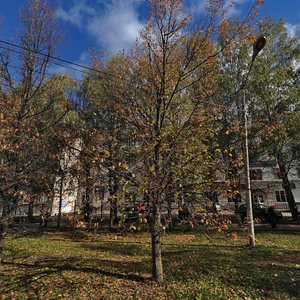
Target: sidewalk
[33, 228]
[279, 227]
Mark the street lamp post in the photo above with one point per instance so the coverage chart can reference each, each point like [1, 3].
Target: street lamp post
[250, 220]
[257, 47]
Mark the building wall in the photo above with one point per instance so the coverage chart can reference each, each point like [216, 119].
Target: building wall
[268, 189]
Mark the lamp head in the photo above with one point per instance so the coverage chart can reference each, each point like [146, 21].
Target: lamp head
[258, 46]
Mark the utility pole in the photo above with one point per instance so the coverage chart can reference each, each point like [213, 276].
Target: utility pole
[250, 220]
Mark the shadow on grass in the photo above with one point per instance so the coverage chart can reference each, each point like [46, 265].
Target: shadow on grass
[55, 234]
[65, 233]
[261, 269]
[29, 273]
[118, 248]
[264, 269]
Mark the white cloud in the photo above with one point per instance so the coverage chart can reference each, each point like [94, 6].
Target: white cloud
[231, 7]
[118, 26]
[196, 7]
[76, 14]
[293, 29]
[296, 65]
[114, 24]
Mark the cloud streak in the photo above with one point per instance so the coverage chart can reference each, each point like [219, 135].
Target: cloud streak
[230, 6]
[76, 14]
[293, 30]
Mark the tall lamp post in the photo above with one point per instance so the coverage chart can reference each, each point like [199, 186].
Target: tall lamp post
[257, 47]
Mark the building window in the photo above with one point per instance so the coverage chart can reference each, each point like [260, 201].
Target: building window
[291, 184]
[256, 174]
[43, 199]
[258, 199]
[280, 196]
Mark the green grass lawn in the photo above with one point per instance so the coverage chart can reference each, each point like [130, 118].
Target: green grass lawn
[82, 265]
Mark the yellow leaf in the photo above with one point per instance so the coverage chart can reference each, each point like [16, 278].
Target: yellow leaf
[152, 169]
[106, 153]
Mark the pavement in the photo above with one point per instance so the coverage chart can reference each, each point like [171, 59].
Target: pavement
[33, 228]
[24, 228]
[279, 227]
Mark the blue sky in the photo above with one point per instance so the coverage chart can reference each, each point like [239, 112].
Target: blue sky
[112, 25]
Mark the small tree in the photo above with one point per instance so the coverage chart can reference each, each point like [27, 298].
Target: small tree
[22, 150]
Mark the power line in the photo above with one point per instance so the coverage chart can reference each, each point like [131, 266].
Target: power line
[61, 60]
[46, 73]
[55, 63]
[49, 74]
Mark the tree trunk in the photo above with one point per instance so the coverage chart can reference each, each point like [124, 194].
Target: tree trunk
[170, 221]
[113, 189]
[113, 214]
[60, 199]
[101, 205]
[3, 228]
[289, 194]
[30, 210]
[170, 197]
[157, 268]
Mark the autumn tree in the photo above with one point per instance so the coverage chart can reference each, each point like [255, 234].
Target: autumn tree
[61, 135]
[234, 67]
[106, 133]
[22, 149]
[274, 97]
[163, 92]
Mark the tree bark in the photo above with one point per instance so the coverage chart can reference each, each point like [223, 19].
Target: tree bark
[170, 221]
[157, 268]
[170, 198]
[30, 210]
[113, 213]
[60, 199]
[3, 228]
[113, 189]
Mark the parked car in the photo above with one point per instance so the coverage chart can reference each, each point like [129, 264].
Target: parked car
[260, 211]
